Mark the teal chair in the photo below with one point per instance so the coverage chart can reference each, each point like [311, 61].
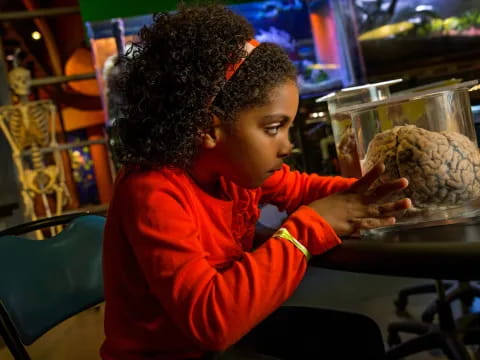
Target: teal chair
[44, 282]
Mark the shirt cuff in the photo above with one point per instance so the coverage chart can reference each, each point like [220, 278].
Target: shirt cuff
[311, 230]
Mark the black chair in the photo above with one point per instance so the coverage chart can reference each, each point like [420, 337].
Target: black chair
[465, 291]
[448, 334]
[44, 282]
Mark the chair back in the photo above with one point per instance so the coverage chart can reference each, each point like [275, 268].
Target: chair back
[44, 282]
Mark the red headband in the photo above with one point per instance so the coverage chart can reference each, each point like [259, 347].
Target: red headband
[250, 45]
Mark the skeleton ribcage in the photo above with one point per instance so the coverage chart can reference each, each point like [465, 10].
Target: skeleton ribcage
[29, 124]
[39, 114]
[17, 129]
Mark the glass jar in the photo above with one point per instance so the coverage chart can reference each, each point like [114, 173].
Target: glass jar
[342, 124]
[429, 138]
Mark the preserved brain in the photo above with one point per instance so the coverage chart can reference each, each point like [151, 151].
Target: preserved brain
[347, 145]
[443, 168]
[348, 155]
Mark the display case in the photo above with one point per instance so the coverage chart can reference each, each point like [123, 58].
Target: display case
[429, 138]
[318, 35]
[419, 40]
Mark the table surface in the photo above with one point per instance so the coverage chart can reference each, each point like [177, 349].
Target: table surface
[438, 252]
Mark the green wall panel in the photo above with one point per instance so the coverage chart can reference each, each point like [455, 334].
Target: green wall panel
[93, 10]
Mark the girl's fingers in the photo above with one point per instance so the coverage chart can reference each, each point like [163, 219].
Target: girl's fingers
[372, 223]
[375, 216]
[393, 207]
[364, 183]
[385, 210]
[386, 189]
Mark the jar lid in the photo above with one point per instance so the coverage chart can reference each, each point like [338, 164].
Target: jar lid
[356, 89]
[409, 96]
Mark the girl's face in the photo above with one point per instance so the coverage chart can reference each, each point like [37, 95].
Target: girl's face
[259, 142]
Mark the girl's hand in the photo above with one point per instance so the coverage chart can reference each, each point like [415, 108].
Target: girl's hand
[361, 207]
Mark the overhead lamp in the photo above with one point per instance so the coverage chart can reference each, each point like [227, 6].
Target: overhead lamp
[36, 35]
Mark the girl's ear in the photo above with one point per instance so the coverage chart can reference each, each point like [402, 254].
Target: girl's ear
[211, 137]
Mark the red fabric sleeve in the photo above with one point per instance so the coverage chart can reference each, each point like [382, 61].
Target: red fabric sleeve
[311, 230]
[290, 189]
[216, 308]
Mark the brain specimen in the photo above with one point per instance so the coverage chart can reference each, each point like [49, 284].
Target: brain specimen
[443, 168]
[348, 155]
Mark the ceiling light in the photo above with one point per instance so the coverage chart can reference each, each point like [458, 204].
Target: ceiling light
[36, 35]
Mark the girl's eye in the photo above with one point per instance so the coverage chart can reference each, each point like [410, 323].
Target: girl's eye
[272, 131]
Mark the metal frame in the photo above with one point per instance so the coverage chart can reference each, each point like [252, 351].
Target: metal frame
[41, 223]
[11, 337]
[29, 14]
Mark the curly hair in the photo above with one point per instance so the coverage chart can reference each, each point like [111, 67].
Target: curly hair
[172, 74]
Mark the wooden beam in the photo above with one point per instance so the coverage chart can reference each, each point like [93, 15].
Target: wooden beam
[27, 14]
[62, 79]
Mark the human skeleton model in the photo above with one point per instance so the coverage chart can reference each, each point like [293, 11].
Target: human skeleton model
[31, 126]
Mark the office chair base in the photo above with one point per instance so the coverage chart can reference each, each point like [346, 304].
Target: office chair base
[465, 291]
[450, 344]
[430, 336]
[401, 301]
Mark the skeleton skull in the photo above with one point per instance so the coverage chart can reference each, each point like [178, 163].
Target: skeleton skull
[20, 81]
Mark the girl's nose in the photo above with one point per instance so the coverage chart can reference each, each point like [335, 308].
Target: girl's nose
[285, 148]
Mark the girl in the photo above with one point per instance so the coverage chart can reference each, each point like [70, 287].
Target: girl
[203, 133]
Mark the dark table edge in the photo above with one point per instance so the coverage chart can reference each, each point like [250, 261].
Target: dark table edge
[436, 260]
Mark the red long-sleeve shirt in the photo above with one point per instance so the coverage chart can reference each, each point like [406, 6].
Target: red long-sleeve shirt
[180, 274]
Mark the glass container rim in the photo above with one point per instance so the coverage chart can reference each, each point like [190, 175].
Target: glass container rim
[408, 96]
[356, 89]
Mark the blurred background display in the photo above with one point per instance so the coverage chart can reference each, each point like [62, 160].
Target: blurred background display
[319, 37]
[314, 35]
[83, 169]
[419, 40]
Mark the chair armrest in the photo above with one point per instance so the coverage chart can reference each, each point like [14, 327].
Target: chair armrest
[41, 223]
